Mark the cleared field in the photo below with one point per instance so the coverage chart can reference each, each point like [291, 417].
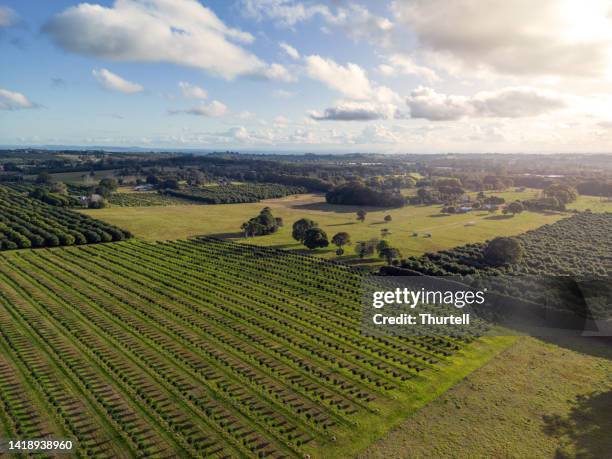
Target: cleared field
[207, 348]
[536, 399]
[224, 221]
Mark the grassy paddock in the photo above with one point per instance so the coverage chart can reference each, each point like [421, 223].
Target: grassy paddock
[536, 399]
[177, 222]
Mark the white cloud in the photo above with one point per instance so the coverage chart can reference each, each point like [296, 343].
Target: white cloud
[513, 102]
[10, 100]
[350, 80]
[290, 50]
[213, 109]
[182, 32]
[400, 64]
[191, 91]
[284, 12]
[377, 134]
[521, 37]
[355, 20]
[276, 72]
[114, 82]
[8, 17]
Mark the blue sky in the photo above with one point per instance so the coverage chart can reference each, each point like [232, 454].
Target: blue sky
[338, 75]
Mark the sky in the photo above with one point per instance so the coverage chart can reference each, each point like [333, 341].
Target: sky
[403, 76]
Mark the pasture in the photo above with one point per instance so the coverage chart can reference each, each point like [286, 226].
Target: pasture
[446, 231]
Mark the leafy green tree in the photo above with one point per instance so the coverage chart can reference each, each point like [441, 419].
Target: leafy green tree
[315, 238]
[564, 193]
[390, 254]
[515, 207]
[341, 239]
[300, 228]
[388, 218]
[263, 224]
[503, 251]
[365, 248]
[361, 215]
[381, 245]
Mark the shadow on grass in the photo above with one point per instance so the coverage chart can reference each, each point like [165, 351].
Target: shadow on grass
[325, 207]
[499, 217]
[585, 431]
[589, 345]
[439, 215]
[343, 224]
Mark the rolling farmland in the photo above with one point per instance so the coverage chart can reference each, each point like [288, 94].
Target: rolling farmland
[205, 348]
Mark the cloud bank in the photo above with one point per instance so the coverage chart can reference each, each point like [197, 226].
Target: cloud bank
[182, 32]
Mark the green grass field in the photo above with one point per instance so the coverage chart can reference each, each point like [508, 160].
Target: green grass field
[178, 222]
[536, 399]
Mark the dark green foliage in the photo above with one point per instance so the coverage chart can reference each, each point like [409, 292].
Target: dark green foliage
[390, 254]
[341, 239]
[365, 248]
[26, 222]
[358, 194]
[503, 251]
[263, 224]
[361, 215]
[315, 238]
[563, 193]
[231, 194]
[565, 248]
[300, 228]
[515, 207]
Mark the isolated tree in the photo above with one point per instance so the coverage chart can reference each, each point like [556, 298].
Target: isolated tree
[262, 224]
[364, 248]
[384, 232]
[515, 207]
[341, 239]
[503, 251]
[390, 254]
[300, 228]
[361, 215]
[381, 246]
[315, 238]
[388, 218]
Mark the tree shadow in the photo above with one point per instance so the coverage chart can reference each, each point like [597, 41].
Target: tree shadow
[348, 209]
[586, 429]
[439, 215]
[589, 345]
[499, 217]
[343, 224]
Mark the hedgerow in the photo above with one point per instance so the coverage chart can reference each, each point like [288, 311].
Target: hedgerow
[232, 194]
